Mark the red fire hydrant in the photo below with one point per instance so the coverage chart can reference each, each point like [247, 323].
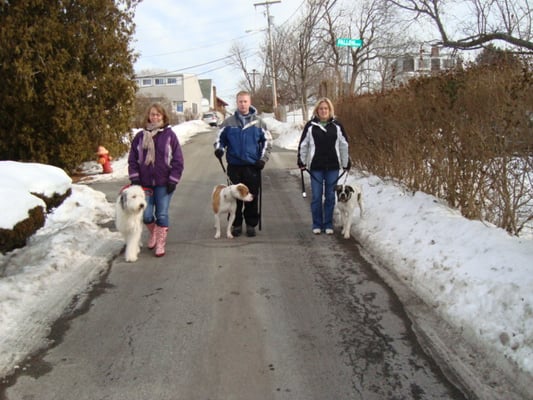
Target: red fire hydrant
[104, 159]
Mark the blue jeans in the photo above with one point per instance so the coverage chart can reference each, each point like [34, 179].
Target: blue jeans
[322, 186]
[157, 203]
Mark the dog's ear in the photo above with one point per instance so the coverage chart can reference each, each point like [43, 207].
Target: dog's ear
[338, 188]
[243, 190]
[123, 200]
[350, 189]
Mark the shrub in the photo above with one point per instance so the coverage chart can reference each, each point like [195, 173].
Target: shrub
[466, 137]
[15, 238]
[55, 201]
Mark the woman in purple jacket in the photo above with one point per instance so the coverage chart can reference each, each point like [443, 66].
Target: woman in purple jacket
[156, 163]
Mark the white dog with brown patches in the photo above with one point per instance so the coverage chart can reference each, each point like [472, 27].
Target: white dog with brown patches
[225, 201]
[348, 199]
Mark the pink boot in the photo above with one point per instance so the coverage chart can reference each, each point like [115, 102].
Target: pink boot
[160, 240]
[151, 241]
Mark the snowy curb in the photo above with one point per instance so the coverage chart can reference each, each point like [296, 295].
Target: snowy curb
[71, 256]
[426, 262]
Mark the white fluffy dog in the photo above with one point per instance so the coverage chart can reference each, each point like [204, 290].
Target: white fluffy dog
[348, 199]
[225, 201]
[129, 209]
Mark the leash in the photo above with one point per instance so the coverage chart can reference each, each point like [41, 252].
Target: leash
[225, 172]
[304, 194]
[317, 180]
[345, 172]
[228, 181]
[222, 165]
[311, 175]
[147, 191]
[345, 179]
[260, 192]
[340, 176]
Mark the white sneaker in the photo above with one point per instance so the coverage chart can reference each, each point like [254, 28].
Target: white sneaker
[329, 231]
[316, 231]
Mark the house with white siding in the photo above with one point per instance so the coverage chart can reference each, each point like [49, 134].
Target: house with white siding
[182, 90]
[423, 64]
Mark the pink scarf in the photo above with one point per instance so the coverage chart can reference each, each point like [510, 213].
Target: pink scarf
[148, 141]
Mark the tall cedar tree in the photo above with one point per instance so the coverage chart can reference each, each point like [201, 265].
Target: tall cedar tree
[67, 79]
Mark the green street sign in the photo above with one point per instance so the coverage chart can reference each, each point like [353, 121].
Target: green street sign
[346, 42]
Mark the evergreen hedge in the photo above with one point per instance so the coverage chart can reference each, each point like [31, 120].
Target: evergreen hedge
[67, 84]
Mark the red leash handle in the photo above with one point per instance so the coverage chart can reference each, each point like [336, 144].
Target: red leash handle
[147, 191]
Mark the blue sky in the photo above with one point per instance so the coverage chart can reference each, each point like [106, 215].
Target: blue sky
[196, 36]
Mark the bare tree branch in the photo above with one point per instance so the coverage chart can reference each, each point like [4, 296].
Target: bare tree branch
[238, 59]
[509, 21]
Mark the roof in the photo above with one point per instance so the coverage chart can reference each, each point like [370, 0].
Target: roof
[221, 103]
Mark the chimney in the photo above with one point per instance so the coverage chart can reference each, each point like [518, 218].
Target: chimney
[434, 51]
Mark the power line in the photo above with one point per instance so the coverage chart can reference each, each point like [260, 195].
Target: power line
[294, 13]
[199, 47]
[193, 66]
[190, 67]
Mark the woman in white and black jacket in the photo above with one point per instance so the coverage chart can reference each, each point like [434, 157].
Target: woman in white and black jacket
[323, 151]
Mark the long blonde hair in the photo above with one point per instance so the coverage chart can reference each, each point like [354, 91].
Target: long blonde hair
[328, 102]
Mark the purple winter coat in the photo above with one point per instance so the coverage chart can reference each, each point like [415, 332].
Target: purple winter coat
[168, 165]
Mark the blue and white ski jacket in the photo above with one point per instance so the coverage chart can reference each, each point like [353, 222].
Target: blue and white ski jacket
[245, 138]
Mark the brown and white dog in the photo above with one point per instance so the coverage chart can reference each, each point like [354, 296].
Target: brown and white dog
[348, 198]
[225, 201]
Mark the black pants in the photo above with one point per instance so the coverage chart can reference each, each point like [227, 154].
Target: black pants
[251, 177]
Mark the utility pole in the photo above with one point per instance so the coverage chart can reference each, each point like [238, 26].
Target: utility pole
[271, 46]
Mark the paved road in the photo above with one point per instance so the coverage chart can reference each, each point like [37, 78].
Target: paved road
[284, 315]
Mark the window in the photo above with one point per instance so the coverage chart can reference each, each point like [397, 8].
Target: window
[159, 81]
[147, 82]
[172, 81]
[408, 64]
[423, 64]
[448, 63]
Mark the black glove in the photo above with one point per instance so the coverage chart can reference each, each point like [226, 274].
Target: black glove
[136, 183]
[349, 165]
[260, 164]
[301, 165]
[171, 187]
[219, 153]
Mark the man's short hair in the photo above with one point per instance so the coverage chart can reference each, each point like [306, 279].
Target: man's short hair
[243, 93]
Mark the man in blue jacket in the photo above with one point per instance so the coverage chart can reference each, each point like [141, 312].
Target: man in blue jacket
[248, 144]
